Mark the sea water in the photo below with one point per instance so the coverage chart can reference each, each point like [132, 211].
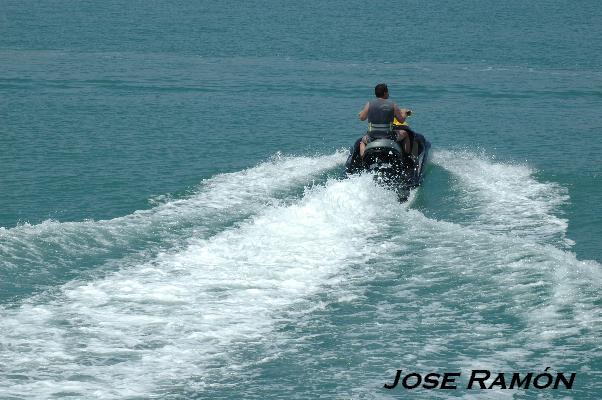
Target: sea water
[174, 224]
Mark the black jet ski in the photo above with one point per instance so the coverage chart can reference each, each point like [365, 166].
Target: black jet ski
[389, 164]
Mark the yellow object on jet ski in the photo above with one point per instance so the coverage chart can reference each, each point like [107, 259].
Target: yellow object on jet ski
[396, 122]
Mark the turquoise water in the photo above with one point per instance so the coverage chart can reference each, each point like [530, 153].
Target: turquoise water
[173, 223]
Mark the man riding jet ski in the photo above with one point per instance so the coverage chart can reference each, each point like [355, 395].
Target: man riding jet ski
[380, 149]
[380, 114]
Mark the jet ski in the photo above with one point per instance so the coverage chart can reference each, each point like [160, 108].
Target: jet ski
[391, 167]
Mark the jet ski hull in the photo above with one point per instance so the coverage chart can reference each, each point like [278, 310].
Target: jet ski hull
[390, 166]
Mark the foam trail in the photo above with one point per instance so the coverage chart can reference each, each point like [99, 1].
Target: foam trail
[507, 199]
[42, 253]
[144, 327]
[457, 298]
[463, 295]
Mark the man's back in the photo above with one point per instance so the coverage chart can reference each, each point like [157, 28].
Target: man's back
[381, 111]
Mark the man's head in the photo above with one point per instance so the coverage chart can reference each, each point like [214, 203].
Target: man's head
[381, 90]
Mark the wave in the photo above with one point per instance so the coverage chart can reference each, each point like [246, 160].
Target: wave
[35, 256]
[448, 297]
[507, 198]
[498, 291]
[148, 324]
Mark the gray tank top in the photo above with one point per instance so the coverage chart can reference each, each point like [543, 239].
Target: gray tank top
[381, 111]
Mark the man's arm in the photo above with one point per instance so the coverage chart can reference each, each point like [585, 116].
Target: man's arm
[402, 113]
[364, 113]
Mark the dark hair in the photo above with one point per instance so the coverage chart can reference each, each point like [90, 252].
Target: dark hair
[380, 90]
